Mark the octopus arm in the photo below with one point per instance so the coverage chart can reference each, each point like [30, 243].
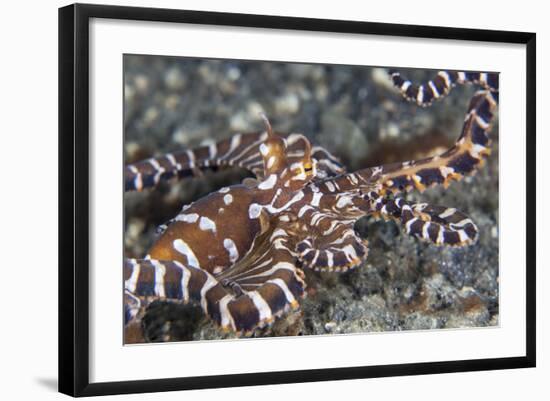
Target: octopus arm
[436, 224]
[240, 150]
[259, 288]
[334, 249]
[464, 158]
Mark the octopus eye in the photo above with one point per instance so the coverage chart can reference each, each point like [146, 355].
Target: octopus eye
[308, 167]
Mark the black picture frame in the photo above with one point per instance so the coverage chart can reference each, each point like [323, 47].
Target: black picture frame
[74, 194]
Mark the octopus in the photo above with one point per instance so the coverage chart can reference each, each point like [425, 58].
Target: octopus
[241, 252]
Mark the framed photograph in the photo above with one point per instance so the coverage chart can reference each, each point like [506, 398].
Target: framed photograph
[239, 192]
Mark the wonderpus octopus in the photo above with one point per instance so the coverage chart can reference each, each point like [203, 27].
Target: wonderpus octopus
[241, 252]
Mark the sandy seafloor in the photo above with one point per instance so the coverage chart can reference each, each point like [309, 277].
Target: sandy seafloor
[405, 284]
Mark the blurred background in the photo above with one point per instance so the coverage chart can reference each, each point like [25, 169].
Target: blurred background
[176, 103]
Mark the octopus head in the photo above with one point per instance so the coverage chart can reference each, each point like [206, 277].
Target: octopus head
[273, 151]
[301, 170]
[293, 169]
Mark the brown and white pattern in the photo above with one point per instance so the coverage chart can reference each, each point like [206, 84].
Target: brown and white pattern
[240, 252]
[441, 84]
[241, 150]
